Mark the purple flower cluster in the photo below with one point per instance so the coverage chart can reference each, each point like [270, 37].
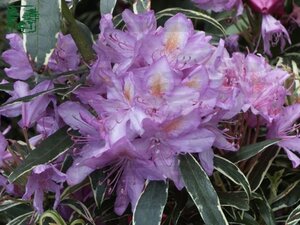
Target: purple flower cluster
[153, 93]
[157, 92]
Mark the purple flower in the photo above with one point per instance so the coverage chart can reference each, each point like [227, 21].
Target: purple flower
[139, 25]
[129, 167]
[231, 43]
[65, 56]
[45, 126]
[178, 42]
[31, 111]
[4, 155]
[284, 128]
[20, 67]
[10, 188]
[220, 5]
[273, 33]
[175, 136]
[262, 87]
[44, 178]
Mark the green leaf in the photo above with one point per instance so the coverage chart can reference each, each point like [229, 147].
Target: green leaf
[248, 151]
[289, 197]
[7, 87]
[21, 220]
[245, 219]
[238, 199]
[52, 215]
[118, 21]
[98, 188]
[29, 98]
[260, 169]
[107, 6]
[150, 206]
[78, 221]
[50, 149]
[294, 217]
[72, 189]
[79, 208]
[192, 14]
[5, 205]
[265, 210]
[40, 43]
[140, 6]
[231, 171]
[181, 198]
[201, 191]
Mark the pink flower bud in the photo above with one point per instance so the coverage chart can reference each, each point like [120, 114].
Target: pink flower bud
[267, 6]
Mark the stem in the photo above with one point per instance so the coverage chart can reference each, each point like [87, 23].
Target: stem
[84, 48]
[26, 139]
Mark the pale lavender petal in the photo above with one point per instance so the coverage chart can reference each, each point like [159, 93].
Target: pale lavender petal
[72, 114]
[139, 25]
[207, 161]
[76, 174]
[38, 201]
[197, 141]
[273, 33]
[293, 157]
[20, 67]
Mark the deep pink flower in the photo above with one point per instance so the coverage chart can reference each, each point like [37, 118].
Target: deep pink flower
[267, 6]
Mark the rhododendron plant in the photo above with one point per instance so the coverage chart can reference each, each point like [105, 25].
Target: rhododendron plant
[150, 116]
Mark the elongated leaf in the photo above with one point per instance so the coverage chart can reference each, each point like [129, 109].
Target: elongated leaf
[246, 219]
[151, 203]
[9, 204]
[118, 21]
[107, 6]
[289, 197]
[98, 187]
[265, 210]
[238, 199]
[7, 87]
[192, 14]
[260, 169]
[45, 26]
[22, 219]
[294, 217]
[141, 6]
[201, 191]
[53, 216]
[29, 98]
[47, 151]
[248, 151]
[231, 171]
[80, 208]
[72, 189]
[15, 211]
[181, 199]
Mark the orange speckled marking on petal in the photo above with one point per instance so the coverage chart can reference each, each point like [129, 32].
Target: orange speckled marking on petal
[172, 125]
[157, 86]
